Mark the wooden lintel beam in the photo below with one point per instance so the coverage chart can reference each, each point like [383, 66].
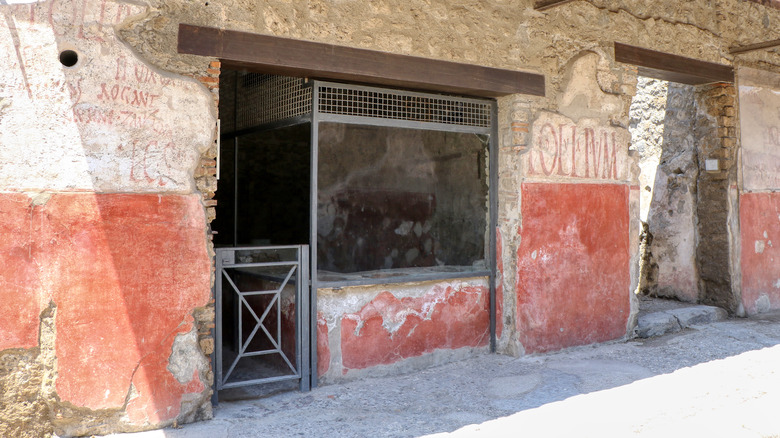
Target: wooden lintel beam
[673, 68]
[269, 54]
[541, 5]
[757, 46]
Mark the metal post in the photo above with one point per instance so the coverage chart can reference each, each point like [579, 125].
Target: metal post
[235, 161]
[302, 340]
[235, 191]
[218, 322]
[315, 147]
[493, 212]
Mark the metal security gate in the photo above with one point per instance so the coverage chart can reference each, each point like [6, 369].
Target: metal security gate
[262, 308]
[272, 121]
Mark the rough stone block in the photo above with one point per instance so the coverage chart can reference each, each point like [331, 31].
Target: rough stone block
[657, 324]
[688, 316]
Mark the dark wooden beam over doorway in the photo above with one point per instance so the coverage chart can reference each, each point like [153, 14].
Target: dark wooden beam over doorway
[673, 68]
[285, 56]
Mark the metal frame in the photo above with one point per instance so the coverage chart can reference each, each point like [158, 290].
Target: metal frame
[299, 267]
[308, 332]
[491, 131]
[315, 150]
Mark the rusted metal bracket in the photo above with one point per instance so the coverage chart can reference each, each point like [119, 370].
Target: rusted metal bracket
[734, 50]
[547, 4]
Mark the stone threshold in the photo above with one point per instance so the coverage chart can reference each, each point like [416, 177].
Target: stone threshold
[658, 316]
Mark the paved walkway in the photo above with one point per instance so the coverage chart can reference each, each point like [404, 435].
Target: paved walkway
[714, 380]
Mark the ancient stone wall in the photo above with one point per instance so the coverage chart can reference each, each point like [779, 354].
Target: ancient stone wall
[648, 111]
[685, 136]
[104, 239]
[759, 202]
[716, 202]
[107, 185]
[671, 219]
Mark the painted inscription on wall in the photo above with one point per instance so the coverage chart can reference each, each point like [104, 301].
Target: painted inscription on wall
[563, 149]
[759, 115]
[109, 122]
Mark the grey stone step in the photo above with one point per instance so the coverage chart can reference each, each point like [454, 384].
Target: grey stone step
[674, 320]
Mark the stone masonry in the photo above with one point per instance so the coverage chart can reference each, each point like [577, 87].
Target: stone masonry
[108, 190]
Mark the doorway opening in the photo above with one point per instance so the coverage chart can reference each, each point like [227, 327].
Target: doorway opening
[324, 184]
[685, 144]
[262, 235]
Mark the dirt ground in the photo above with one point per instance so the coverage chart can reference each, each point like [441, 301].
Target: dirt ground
[714, 380]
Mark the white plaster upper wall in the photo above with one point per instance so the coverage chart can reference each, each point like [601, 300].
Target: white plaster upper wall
[759, 115]
[111, 123]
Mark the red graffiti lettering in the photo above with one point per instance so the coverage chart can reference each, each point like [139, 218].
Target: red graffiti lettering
[126, 95]
[773, 136]
[121, 69]
[578, 152]
[548, 145]
[574, 146]
[151, 162]
[90, 114]
[144, 119]
[75, 91]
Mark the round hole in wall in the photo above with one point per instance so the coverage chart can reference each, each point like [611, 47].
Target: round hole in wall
[69, 58]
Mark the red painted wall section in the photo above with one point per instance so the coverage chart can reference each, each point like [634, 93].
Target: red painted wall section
[323, 345]
[20, 291]
[573, 265]
[759, 215]
[125, 272]
[389, 329]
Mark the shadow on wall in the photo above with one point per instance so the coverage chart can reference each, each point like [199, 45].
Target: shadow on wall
[119, 249]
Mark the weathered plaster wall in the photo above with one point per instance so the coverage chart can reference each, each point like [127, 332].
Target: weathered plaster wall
[104, 246]
[394, 328]
[573, 265]
[114, 123]
[574, 254]
[759, 210]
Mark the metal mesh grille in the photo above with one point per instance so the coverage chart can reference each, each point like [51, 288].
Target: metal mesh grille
[388, 104]
[262, 99]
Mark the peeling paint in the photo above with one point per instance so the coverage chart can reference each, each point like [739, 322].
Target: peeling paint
[760, 271]
[448, 316]
[578, 291]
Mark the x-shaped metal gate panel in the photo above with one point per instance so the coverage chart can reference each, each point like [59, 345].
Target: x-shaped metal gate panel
[226, 264]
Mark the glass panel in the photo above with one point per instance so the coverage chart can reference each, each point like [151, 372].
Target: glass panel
[273, 180]
[223, 223]
[407, 200]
